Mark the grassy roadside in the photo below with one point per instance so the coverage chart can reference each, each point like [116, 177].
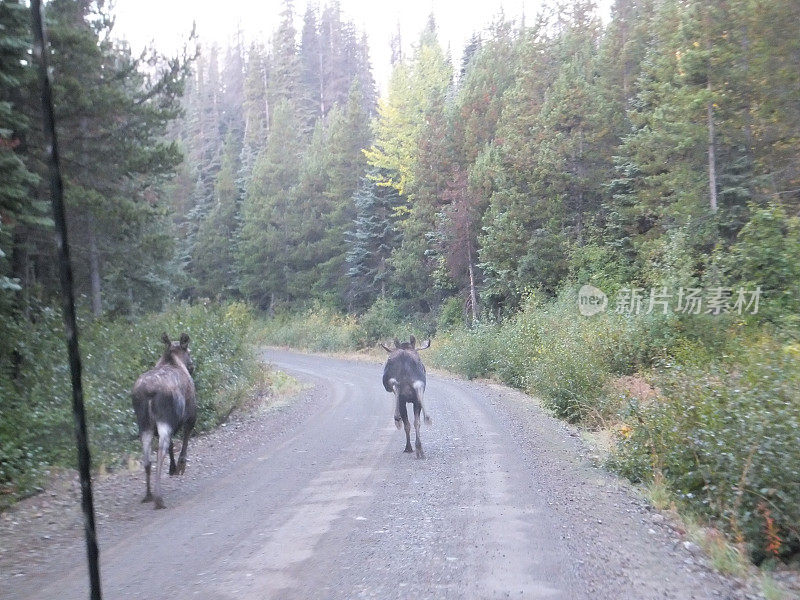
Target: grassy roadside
[36, 431]
[703, 411]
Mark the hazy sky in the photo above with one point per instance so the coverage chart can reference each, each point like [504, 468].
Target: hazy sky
[168, 22]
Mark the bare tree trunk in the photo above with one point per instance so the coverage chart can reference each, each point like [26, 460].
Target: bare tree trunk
[94, 272]
[473, 294]
[95, 282]
[712, 161]
[266, 102]
[321, 83]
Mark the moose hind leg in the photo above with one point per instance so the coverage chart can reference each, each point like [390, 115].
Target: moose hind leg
[187, 431]
[164, 440]
[417, 441]
[146, 437]
[419, 388]
[172, 467]
[398, 420]
[407, 425]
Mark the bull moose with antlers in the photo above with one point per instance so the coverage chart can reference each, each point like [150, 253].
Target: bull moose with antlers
[164, 401]
[404, 376]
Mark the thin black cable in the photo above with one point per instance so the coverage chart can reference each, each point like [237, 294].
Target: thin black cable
[70, 325]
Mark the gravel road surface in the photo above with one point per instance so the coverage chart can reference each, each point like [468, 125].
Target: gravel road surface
[317, 500]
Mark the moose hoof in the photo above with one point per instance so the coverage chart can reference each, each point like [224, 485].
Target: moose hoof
[159, 504]
[408, 449]
[398, 422]
[181, 467]
[173, 469]
[148, 497]
[420, 453]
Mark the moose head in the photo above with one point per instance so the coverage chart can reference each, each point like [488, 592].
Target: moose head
[178, 351]
[409, 345]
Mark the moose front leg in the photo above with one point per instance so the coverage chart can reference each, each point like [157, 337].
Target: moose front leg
[172, 466]
[417, 441]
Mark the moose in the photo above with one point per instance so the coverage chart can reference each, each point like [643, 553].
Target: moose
[404, 376]
[164, 400]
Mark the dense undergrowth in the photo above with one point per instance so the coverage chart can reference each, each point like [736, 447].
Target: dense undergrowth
[36, 423]
[707, 405]
[323, 329]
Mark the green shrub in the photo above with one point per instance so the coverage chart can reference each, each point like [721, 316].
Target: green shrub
[725, 438]
[380, 322]
[319, 329]
[451, 314]
[550, 350]
[468, 352]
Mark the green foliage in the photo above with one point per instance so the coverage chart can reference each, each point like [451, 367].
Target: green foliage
[451, 314]
[16, 182]
[381, 322]
[552, 351]
[724, 437]
[318, 329]
[467, 352]
[36, 423]
[766, 255]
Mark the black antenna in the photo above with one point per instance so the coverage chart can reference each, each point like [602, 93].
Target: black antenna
[65, 272]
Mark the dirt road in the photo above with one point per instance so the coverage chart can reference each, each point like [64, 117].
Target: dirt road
[318, 501]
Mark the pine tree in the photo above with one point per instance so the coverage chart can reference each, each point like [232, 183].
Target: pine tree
[285, 74]
[214, 257]
[112, 115]
[16, 182]
[371, 241]
[268, 223]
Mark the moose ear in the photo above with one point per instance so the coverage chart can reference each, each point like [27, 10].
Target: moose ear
[396, 343]
[184, 341]
[412, 340]
[165, 338]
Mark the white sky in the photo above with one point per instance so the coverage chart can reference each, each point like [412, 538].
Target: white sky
[168, 22]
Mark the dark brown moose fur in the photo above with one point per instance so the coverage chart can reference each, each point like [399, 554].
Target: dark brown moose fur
[164, 401]
[404, 376]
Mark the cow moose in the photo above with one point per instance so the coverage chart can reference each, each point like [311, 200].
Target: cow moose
[404, 376]
[164, 400]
